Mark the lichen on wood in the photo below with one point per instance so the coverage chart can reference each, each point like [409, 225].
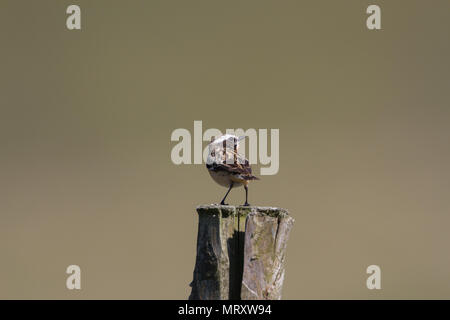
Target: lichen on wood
[240, 252]
[266, 236]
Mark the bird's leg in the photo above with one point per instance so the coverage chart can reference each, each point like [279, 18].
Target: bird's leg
[246, 196]
[223, 200]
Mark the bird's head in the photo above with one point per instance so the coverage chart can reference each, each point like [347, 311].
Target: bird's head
[223, 148]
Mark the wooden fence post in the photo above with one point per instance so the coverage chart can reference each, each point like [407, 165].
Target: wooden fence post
[240, 252]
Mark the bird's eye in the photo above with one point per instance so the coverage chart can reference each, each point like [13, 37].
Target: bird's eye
[213, 153]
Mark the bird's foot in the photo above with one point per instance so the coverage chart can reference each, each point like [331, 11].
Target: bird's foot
[223, 204]
[246, 204]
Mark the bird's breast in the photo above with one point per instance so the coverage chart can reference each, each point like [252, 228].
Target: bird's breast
[224, 178]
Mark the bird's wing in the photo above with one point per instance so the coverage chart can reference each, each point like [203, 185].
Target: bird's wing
[242, 169]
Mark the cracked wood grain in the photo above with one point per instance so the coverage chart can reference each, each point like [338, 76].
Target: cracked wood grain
[240, 252]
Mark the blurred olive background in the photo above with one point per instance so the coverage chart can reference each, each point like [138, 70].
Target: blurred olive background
[86, 117]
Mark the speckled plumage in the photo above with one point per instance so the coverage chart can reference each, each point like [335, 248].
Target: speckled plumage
[227, 167]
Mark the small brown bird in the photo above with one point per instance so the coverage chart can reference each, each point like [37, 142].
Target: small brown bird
[227, 167]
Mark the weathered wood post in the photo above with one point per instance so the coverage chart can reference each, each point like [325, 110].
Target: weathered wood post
[240, 252]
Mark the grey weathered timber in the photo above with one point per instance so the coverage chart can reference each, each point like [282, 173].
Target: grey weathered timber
[240, 252]
[266, 236]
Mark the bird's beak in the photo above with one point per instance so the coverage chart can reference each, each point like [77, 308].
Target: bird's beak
[241, 138]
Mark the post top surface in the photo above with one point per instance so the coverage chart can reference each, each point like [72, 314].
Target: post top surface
[227, 210]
